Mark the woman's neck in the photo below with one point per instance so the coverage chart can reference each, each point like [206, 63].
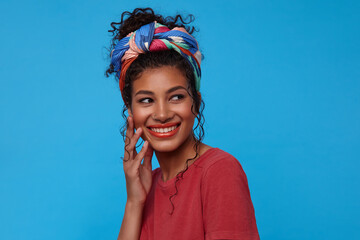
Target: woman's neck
[171, 163]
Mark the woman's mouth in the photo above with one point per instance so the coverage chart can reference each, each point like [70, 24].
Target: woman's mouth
[164, 130]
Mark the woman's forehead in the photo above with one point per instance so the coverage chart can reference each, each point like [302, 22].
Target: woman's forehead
[160, 79]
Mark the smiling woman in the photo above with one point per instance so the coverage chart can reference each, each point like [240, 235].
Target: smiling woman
[161, 106]
[199, 192]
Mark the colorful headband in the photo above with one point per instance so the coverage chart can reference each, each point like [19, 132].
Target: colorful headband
[155, 37]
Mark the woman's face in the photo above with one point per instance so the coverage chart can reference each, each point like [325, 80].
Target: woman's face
[161, 106]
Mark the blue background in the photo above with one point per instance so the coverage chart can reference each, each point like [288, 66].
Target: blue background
[282, 92]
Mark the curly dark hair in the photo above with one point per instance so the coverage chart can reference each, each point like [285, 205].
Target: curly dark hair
[131, 21]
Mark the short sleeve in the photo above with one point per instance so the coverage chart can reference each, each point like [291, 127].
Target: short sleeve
[228, 212]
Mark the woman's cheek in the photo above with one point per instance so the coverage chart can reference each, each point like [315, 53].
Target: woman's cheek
[186, 112]
[139, 116]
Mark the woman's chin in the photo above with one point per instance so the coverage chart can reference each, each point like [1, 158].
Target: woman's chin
[163, 147]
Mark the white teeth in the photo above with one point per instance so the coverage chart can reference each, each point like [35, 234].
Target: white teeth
[164, 130]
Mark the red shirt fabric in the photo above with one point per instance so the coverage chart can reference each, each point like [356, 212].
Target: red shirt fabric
[213, 202]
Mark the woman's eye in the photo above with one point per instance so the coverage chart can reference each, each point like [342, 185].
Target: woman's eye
[177, 97]
[145, 100]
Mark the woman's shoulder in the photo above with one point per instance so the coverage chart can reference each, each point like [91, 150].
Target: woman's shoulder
[220, 168]
[217, 156]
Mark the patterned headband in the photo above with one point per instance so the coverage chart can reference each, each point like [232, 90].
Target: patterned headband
[155, 37]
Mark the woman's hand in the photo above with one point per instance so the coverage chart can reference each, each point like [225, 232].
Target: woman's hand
[138, 176]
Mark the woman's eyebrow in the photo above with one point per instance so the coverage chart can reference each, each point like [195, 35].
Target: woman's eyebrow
[175, 88]
[144, 92]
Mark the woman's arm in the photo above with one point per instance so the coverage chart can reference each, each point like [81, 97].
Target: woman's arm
[138, 183]
[131, 224]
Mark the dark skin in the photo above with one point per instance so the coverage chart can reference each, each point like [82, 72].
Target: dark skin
[156, 105]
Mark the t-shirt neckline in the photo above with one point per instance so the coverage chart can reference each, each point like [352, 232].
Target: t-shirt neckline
[172, 181]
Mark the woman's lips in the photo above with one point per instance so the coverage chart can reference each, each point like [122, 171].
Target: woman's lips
[164, 130]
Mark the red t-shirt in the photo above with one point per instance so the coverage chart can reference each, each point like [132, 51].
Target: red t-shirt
[213, 202]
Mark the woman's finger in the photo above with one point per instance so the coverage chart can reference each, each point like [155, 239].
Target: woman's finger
[148, 158]
[141, 154]
[132, 145]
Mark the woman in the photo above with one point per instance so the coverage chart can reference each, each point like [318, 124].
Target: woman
[199, 192]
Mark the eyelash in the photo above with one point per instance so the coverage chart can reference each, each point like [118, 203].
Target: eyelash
[142, 100]
[149, 100]
[180, 96]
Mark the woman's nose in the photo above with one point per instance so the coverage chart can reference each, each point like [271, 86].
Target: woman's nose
[162, 112]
